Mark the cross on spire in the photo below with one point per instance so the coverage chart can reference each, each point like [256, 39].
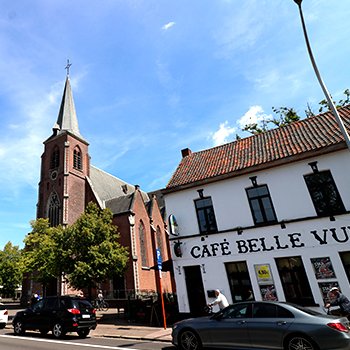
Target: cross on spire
[67, 67]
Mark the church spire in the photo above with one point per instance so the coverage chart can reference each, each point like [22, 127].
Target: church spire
[67, 118]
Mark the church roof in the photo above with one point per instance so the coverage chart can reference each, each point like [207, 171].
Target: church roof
[111, 191]
[67, 118]
[299, 140]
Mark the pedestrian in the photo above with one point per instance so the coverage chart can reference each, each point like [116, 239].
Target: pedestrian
[34, 299]
[220, 300]
[339, 300]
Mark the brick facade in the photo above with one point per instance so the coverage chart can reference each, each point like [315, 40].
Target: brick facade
[74, 189]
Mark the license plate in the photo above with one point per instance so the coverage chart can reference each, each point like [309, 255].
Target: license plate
[86, 316]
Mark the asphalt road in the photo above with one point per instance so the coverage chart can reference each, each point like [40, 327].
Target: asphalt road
[34, 341]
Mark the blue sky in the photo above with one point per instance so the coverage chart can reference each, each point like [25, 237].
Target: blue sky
[151, 77]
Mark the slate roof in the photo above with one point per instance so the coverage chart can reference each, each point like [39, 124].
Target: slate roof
[111, 191]
[305, 138]
[67, 118]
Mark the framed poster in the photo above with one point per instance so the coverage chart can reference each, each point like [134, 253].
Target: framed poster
[263, 274]
[323, 268]
[268, 292]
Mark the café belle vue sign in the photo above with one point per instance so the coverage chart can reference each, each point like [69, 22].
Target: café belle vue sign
[270, 243]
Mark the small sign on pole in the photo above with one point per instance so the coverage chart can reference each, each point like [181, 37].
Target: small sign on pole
[159, 263]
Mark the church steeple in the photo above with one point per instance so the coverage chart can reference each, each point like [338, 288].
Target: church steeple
[67, 118]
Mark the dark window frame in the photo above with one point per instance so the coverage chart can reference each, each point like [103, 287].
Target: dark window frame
[55, 158]
[324, 194]
[294, 280]
[77, 159]
[143, 245]
[205, 224]
[54, 210]
[260, 200]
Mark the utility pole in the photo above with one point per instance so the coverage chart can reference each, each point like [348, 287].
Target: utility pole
[323, 86]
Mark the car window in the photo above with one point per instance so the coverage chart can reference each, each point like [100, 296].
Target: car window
[261, 310]
[50, 303]
[81, 304]
[236, 311]
[65, 303]
[38, 306]
[284, 313]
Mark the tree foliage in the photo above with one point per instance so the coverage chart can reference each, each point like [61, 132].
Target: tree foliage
[91, 252]
[284, 116]
[87, 252]
[42, 252]
[10, 269]
[287, 115]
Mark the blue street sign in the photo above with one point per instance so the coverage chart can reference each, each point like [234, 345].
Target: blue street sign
[159, 259]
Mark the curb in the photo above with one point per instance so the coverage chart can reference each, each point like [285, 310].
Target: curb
[131, 338]
[117, 336]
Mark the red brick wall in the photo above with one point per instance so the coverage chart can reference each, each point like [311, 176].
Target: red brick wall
[70, 182]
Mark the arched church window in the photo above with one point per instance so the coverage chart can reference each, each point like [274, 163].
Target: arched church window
[55, 158]
[159, 240]
[143, 245]
[54, 210]
[77, 161]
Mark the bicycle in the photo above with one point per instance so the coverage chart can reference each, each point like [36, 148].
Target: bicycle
[101, 305]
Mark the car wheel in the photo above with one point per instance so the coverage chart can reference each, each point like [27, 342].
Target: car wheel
[18, 328]
[83, 333]
[189, 340]
[299, 342]
[58, 331]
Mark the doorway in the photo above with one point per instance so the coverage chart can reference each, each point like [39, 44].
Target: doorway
[195, 290]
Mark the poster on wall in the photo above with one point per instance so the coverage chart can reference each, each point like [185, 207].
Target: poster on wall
[323, 268]
[268, 292]
[325, 287]
[263, 274]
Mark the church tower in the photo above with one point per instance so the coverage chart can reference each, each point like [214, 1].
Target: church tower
[65, 164]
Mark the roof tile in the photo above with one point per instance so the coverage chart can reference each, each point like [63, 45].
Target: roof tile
[310, 134]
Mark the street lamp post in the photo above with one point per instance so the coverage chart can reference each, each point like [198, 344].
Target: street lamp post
[323, 86]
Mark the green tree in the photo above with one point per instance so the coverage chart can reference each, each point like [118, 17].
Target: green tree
[10, 269]
[287, 115]
[341, 103]
[42, 253]
[91, 251]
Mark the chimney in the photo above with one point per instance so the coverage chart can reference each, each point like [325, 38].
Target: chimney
[186, 152]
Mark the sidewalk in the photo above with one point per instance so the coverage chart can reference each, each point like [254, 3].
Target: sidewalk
[112, 325]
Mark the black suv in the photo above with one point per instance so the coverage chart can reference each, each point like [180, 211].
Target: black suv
[57, 314]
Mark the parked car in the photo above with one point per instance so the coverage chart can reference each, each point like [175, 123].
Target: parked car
[57, 314]
[4, 316]
[263, 325]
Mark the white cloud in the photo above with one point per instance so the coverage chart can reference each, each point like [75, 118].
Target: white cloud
[221, 136]
[168, 25]
[255, 114]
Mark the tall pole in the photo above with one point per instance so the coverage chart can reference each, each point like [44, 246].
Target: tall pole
[323, 86]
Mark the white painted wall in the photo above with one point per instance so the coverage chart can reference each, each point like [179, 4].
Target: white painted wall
[286, 184]
[291, 200]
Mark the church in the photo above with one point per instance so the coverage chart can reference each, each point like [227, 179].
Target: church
[68, 182]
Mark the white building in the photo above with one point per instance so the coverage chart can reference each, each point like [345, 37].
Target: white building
[265, 217]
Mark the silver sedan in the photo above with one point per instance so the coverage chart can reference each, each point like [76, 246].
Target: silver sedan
[263, 325]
